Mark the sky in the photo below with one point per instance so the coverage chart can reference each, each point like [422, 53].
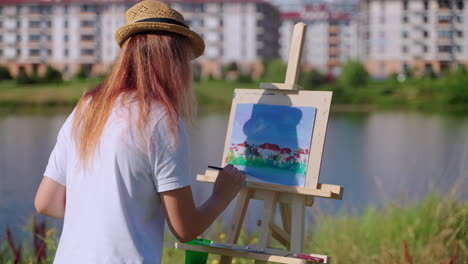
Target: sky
[285, 126]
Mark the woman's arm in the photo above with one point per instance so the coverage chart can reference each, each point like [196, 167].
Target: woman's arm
[50, 198]
[186, 220]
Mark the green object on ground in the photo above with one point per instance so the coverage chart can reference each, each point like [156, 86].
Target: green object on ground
[195, 257]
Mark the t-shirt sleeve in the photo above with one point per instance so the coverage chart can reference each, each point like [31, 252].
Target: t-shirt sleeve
[170, 157]
[56, 167]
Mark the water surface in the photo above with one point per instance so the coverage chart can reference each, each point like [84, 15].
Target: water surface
[378, 157]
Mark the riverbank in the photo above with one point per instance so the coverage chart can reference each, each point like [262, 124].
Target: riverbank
[211, 95]
[434, 230]
[216, 96]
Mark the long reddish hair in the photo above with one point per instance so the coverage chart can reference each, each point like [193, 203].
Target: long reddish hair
[154, 67]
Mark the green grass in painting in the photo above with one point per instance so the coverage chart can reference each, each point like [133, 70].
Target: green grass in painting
[270, 162]
[434, 230]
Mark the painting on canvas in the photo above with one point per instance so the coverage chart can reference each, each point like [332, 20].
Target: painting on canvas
[272, 142]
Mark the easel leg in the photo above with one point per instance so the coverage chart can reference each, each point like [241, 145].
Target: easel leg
[297, 223]
[285, 210]
[267, 219]
[237, 220]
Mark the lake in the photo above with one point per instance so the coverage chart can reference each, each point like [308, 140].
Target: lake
[379, 157]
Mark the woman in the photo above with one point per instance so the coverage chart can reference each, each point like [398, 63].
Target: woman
[120, 165]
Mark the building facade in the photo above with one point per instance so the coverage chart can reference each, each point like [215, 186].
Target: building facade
[423, 35]
[72, 34]
[331, 37]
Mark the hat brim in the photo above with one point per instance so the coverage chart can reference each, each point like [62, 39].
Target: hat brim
[197, 43]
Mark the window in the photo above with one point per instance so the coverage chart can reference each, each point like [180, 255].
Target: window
[405, 4]
[460, 4]
[1, 52]
[382, 19]
[459, 19]
[49, 23]
[35, 38]
[405, 19]
[87, 37]
[88, 8]
[34, 52]
[18, 52]
[1, 38]
[65, 52]
[65, 24]
[87, 23]
[34, 9]
[426, 5]
[459, 49]
[49, 52]
[444, 19]
[34, 24]
[87, 52]
[18, 24]
[444, 33]
[460, 34]
[428, 68]
[404, 34]
[425, 49]
[445, 49]
[444, 3]
[426, 19]
[1, 24]
[49, 37]
[404, 49]
[425, 34]
[1, 9]
[65, 38]
[65, 9]
[18, 38]
[47, 9]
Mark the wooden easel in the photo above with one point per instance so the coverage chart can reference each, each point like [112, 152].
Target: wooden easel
[292, 201]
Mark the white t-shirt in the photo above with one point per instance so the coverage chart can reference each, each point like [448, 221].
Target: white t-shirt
[113, 212]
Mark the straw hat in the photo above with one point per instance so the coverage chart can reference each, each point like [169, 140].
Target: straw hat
[153, 16]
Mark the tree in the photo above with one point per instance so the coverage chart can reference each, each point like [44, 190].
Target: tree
[354, 74]
[4, 73]
[275, 71]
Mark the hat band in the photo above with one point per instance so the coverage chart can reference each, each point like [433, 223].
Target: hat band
[163, 20]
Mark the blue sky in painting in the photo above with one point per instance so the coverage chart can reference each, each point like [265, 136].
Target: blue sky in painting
[286, 126]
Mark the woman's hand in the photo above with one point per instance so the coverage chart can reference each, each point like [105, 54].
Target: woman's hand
[228, 183]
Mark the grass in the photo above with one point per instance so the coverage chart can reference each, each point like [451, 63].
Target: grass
[434, 230]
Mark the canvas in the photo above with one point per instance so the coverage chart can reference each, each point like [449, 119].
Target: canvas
[272, 142]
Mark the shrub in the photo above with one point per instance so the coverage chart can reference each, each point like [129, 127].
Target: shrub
[23, 77]
[312, 79]
[52, 75]
[244, 78]
[354, 74]
[4, 73]
[232, 67]
[83, 73]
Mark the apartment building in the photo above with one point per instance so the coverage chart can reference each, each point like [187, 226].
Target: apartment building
[80, 33]
[421, 35]
[331, 37]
